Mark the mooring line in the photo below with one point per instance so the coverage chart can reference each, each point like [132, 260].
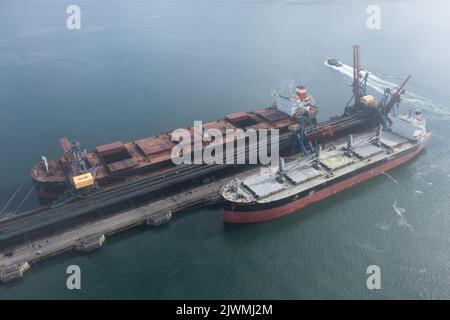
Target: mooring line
[24, 199]
[12, 198]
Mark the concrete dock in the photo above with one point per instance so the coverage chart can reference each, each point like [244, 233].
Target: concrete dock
[91, 235]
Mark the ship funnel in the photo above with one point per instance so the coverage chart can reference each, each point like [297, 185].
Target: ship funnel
[301, 92]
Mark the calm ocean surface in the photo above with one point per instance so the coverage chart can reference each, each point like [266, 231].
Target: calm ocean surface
[140, 67]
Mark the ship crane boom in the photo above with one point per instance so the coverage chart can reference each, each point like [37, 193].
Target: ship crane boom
[395, 98]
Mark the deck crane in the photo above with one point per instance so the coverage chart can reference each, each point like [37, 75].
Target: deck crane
[82, 175]
[72, 155]
[359, 86]
[356, 74]
[395, 98]
[300, 105]
[389, 100]
[363, 85]
[384, 100]
[306, 115]
[364, 109]
[305, 145]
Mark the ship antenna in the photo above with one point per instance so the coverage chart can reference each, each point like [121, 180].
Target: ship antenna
[291, 88]
[45, 163]
[356, 74]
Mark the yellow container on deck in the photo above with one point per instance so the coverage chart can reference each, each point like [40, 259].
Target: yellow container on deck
[83, 181]
[368, 100]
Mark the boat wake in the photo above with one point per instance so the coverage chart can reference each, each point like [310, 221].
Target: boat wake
[383, 226]
[400, 211]
[367, 246]
[379, 83]
[390, 177]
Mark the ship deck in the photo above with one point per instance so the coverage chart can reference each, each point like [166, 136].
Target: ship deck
[118, 159]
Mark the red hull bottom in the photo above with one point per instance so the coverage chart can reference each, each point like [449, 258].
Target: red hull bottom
[270, 214]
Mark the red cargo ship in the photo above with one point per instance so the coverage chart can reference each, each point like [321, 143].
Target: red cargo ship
[274, 193]
[113, 163]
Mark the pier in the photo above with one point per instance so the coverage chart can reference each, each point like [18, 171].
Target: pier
[88, 236]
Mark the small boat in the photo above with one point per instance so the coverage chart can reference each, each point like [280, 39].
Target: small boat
[334, 62]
